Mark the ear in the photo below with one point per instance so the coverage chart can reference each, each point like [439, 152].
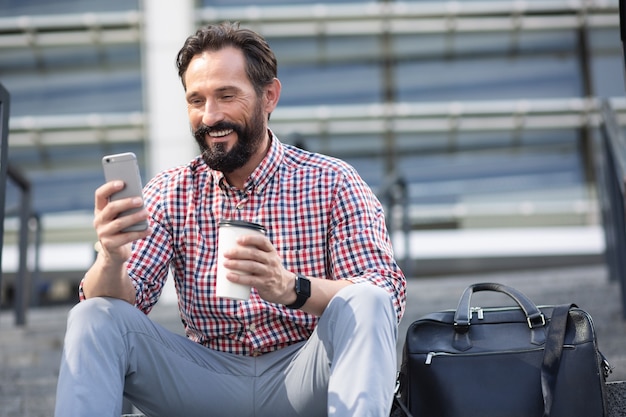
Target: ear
[272, 94]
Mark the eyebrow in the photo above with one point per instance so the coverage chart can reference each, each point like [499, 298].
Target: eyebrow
[220, 90]
[227, 88]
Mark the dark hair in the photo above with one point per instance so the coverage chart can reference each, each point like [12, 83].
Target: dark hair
[261, 65]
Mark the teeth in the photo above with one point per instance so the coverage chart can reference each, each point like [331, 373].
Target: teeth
[220, 133]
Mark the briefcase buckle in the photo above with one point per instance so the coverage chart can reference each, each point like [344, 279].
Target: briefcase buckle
[537, 322]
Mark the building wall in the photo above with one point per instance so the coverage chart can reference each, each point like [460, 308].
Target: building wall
[488, 113]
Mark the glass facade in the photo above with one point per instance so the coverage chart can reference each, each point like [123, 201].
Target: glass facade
[83, 58]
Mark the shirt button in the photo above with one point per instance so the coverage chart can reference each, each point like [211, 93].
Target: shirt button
[252, 327]
[239, 206]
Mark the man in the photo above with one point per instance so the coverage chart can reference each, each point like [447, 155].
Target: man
[326, 348]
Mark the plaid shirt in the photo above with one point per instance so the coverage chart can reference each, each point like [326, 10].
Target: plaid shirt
[319, 214]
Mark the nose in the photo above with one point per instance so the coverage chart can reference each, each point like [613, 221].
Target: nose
[212, 113]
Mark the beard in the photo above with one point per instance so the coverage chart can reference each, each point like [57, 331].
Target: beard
[249, 139]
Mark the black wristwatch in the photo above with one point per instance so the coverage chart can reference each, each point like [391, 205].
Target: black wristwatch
[303, 291]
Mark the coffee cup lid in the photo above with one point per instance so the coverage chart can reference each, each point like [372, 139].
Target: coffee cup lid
[241, 223]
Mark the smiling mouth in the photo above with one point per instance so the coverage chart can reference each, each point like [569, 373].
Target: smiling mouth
[220, 133]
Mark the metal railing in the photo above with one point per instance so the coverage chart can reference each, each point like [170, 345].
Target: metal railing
[325, 19]
[23, 284]
[612, 195]
[70, 29]
[394, 194]
[374, 18]
[4, 148]
[30, 131]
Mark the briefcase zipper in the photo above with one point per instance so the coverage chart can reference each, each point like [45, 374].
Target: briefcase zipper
[431, 355]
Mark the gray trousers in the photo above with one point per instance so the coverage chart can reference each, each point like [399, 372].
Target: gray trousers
[346, 368]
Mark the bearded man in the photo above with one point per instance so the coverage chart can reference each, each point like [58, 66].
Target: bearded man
[317, 335]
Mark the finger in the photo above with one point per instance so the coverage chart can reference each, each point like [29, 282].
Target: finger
[110, 221]
[244, 265]
[258, 241]
[105, 191]
[242, 277]
[118, 210]
[246, 253]
[114, 242]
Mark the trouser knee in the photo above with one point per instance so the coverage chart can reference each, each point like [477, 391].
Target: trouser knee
[359, 311]
[97, 317]
[366, 301]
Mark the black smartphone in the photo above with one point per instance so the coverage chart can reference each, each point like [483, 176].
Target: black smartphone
[124, 167]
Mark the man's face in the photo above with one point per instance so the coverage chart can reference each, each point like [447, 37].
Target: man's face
[227, 118]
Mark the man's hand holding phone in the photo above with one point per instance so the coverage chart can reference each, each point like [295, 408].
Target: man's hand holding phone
[119, 214]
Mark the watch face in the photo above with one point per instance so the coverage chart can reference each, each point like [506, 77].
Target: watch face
[304, 286]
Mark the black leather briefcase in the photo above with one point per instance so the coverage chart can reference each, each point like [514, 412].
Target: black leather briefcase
[521, 361]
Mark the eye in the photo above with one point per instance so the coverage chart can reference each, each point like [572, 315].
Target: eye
[196, 102]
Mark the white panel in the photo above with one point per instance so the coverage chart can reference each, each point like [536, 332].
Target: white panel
[166, 24]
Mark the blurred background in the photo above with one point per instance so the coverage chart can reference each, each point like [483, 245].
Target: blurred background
[477, 123]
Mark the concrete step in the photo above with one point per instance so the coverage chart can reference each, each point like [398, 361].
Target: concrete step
[616, 399]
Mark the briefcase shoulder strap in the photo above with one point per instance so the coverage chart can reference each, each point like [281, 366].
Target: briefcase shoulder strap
[552, 354]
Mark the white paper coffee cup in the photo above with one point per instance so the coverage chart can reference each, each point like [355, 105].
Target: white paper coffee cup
[229, 231]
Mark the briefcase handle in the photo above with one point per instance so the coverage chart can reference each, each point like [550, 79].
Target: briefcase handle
[462, 317]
